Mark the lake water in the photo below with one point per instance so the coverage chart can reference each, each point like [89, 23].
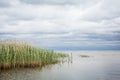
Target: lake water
[100, 65]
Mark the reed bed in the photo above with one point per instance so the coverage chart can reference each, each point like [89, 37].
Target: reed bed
[14, 54]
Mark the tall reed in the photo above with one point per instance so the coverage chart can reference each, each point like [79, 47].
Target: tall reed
[20, 54]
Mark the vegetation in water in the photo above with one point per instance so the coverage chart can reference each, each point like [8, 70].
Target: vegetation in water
[20, 54]
[84, 56]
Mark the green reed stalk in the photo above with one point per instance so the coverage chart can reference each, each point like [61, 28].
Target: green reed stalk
[20, 54]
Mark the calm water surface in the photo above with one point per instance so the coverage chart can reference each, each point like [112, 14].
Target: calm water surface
[101, 65]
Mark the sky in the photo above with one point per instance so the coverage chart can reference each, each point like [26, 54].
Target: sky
[62, 24]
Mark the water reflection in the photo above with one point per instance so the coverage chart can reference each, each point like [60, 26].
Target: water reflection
[101, 65]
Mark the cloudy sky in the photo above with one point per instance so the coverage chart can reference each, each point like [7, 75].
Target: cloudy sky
[62, 24]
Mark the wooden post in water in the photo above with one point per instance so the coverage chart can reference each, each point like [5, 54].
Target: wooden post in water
[71, 58]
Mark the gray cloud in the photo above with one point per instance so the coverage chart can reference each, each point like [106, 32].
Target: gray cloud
[4, 3]
[66, 38]
[56, 2]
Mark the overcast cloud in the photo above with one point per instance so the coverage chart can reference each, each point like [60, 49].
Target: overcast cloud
[62, 24]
